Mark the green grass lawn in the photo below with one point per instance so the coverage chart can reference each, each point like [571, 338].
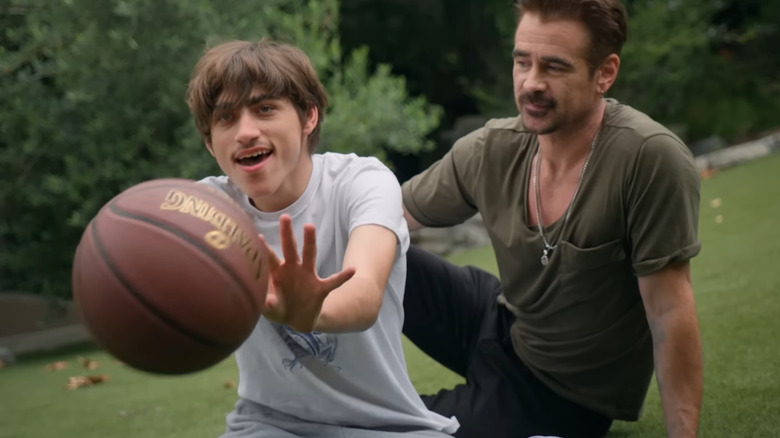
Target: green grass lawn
[736, 279]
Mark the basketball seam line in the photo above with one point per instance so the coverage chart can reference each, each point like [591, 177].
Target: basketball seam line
[161, 316]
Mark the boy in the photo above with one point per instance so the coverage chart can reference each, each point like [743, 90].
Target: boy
[325, 359]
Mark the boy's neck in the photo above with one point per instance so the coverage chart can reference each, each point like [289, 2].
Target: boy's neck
[290, 190]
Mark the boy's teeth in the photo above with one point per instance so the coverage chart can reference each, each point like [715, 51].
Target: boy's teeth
[255, 155]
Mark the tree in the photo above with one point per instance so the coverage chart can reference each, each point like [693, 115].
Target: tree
[708, 66]
[93, 95]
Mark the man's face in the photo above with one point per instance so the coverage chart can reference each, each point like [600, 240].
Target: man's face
[262, 147]
[553, 86]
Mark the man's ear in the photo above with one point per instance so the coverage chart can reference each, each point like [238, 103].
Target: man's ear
[312, 117]
[607, 73]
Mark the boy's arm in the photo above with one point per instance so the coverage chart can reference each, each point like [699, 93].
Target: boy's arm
[344, 302]
[354, 306]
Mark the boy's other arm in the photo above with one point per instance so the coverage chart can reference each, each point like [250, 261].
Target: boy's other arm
[354, 306]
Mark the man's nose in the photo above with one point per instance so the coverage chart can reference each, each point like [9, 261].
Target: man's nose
[534, 80]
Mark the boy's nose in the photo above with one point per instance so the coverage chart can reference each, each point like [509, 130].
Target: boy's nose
[247, 127]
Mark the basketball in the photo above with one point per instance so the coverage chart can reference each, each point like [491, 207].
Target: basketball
[170, 276]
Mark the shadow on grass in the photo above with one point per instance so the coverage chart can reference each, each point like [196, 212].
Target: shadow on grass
[80, 349]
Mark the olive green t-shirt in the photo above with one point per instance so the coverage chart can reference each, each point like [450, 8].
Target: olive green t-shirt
[580, 323]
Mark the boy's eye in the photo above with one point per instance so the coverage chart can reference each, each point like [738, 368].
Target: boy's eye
[223, 116]
[265, 109]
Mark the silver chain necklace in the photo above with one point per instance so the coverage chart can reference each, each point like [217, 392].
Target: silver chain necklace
[548, 248]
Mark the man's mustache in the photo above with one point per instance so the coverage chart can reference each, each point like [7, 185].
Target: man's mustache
[538, 99]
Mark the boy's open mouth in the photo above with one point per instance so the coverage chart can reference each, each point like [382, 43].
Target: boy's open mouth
[256, 158]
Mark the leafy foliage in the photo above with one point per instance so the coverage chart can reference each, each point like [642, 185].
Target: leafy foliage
[711, 67]
[93, 102]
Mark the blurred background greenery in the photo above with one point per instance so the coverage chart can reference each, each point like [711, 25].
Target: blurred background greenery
[91, 91]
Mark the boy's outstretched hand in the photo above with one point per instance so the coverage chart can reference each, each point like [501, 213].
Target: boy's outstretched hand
[295, 291]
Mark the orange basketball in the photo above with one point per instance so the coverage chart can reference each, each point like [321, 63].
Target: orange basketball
[170, 276]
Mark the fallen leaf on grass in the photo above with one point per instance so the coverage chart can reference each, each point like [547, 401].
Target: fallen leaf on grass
[719, 219]
[77, 382]
[708, 173]
[229, 383]
[56, 366]
[715, 203]
[88, 363]
[127, 414]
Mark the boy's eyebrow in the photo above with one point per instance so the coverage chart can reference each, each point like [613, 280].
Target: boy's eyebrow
[261, 97]
[253, 100]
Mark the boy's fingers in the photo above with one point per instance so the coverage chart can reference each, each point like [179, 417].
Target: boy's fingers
[309, 247]
[289, 244]
[273, 260]
[337, 279]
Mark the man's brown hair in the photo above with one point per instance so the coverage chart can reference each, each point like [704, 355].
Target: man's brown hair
[229, 72]
[605, 21]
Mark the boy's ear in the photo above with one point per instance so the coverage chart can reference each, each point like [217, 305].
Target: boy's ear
[312, 117]
[210, 148]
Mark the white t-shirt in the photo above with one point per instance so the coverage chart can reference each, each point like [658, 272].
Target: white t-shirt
[352, 379]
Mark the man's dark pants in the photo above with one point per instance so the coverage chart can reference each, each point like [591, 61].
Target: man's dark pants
[453, 316]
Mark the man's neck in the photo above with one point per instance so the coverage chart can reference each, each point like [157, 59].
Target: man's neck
[565, 149]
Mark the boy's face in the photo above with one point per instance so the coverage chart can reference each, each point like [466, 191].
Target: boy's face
[262, 147]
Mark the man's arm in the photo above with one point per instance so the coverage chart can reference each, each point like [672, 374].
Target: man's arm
[354, 306]
[411, 222]
[671, 313]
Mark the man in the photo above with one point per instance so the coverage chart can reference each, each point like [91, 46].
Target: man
[325, 359]
[592, 209]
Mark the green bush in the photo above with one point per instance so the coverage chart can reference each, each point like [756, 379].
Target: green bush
[93, 102]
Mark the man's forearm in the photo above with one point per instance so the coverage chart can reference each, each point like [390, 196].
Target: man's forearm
[411, 222]
[678, 362]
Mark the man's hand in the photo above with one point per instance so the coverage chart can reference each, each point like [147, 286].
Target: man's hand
[295, 291]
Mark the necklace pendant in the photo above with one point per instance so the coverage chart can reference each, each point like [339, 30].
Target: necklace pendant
[545, 259]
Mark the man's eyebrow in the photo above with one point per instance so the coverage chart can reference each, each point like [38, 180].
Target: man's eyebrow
[557, 60]
[517, 53]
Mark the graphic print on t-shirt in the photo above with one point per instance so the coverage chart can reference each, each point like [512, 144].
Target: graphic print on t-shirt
[321, 346]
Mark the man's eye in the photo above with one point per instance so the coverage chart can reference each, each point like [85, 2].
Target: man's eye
[265, 109]
[522, 63]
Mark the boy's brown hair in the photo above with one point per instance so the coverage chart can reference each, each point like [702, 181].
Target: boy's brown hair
[232, 70]
[605, 21]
